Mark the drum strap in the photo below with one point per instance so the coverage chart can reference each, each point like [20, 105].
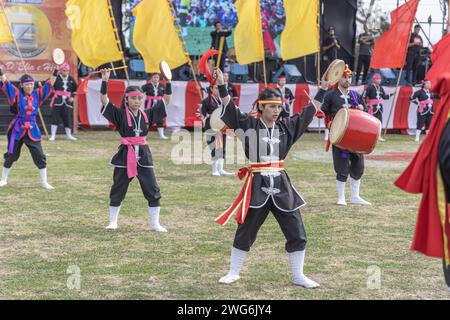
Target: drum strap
[328, 144]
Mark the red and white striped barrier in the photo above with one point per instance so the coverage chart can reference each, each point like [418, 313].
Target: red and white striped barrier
[185, 101]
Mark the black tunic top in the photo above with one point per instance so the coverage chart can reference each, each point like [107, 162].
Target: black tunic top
[139, 128]
[151, 90]
[422, 95]
[232, 91]
[334, 100]
[69, 86]
[444, 158]
[263, 144]
[376, 92]
[209, 104]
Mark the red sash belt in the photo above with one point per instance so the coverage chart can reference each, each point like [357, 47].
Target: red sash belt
[131, 156]
[59, 93]
[242, 202]
[424, 103]
[150, 100]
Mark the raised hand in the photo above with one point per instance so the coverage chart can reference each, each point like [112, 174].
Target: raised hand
[219, 76]
[105, 74]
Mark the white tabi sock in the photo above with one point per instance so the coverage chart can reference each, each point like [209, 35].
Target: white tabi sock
[43, 178]
[222, 172]
[69, 134]
[53, 130]
[418, 132]
[354, 189]
[341, 193]
[113, 216]
[153, 213]
[236, 261]
[215, 167]
[297, 259]
[5, 174]
[161, 134]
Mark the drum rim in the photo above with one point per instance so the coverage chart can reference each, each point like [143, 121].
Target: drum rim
[162, 66]
[331, 66]
[378, 137]
[57, 53]
[345, 127]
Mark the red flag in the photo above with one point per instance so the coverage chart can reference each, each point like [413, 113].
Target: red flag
[390, 48]
[421, 177]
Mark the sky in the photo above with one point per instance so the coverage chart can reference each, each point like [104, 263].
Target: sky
[425, 9]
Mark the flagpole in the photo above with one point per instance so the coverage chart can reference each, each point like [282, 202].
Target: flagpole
[318, 56]
[393, 101]
[263, 51]
[396, 91]
[23, 62]
[184, 46]
[448, 19]
[116, 34]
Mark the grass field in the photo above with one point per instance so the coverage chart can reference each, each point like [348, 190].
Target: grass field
[45, 234]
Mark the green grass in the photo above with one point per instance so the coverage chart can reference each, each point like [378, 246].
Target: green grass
[42, 232]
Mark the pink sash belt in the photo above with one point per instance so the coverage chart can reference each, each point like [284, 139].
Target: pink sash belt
[57, 94]
[150, 100]
[131, 156]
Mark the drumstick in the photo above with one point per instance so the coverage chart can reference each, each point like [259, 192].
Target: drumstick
[109, 69]
[315, 103]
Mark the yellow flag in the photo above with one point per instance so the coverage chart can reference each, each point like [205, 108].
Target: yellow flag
[5, 34]
[155, 36]
[93, 36]
[248, 41]
[300, 36]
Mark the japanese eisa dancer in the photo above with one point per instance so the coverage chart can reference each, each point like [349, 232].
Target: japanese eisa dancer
[267, 187]
[133, 158]
[25, 102]
[345, 162]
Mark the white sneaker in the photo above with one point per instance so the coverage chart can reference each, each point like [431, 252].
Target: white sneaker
[229, 278]
[3, 183]
[381, 139]
[51, 139]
